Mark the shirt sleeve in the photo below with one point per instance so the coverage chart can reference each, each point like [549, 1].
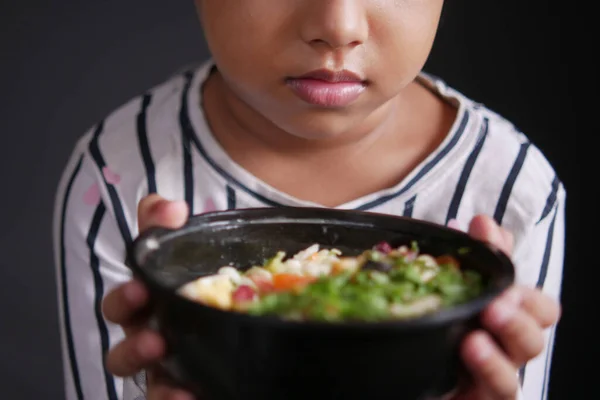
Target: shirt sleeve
[539, 259]
[89, 252]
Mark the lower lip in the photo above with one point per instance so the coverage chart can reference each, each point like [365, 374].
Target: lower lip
[326, 94]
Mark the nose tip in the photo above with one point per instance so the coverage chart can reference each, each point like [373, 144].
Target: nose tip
[336, 24]
[335, 44]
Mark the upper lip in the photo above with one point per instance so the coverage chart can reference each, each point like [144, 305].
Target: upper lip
[328, 75]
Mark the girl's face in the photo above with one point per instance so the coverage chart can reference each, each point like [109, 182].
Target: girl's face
[319, 68]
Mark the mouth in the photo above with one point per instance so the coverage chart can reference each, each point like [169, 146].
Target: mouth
[327, 88]
[330, 76]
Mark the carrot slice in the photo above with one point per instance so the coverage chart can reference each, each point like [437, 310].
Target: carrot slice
[283, 282]
[447, 259]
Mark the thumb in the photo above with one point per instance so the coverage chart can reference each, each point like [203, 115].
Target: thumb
[163, 392]
[156, 211]
[486, 229]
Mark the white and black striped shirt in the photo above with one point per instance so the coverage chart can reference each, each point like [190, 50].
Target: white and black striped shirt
[160, 142]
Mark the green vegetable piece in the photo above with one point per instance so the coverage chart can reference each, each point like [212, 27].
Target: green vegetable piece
[464, 250]
[413, 274]
[414, 246]
[375, 255]
[380, 278]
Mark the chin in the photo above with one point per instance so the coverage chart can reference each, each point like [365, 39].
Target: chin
[309, 122]
[320, 124]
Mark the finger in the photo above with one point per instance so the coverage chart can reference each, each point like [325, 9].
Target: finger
[489, 367]
[486, 229]
[135, 353]
[164, 392]
[154, 210]
[544, 309]
[519, 334]
[509, 239]
[158, 376]
[123, 304]
[454, 224]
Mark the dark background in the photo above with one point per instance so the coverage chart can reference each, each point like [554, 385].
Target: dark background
[65, 64]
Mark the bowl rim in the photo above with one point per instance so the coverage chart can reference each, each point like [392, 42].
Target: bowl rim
[336, 216]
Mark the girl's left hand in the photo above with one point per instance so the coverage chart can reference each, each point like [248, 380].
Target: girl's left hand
[514, 330]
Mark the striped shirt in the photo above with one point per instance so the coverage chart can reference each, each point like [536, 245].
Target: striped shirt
[160, 143]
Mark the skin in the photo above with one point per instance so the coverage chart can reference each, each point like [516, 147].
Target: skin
[375, 142]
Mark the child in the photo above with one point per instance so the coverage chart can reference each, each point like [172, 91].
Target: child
[305, 103]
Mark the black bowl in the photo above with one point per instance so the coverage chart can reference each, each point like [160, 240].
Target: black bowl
[231, 356]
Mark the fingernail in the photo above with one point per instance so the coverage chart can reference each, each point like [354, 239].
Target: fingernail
[483, 348]
[454, 224]
[513, 296]
[502, 311]
[496, 236]
[180, 203]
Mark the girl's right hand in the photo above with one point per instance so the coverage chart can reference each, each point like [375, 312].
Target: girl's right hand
[126, 305]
